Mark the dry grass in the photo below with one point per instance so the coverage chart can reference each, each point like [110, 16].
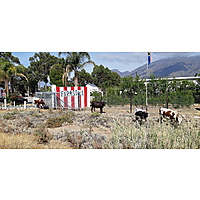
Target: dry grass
[116, 128]
[23, 141]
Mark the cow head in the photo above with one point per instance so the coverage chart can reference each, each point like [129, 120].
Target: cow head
[103, 103]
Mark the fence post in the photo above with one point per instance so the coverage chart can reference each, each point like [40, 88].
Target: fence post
[5, 104]
[24, 104]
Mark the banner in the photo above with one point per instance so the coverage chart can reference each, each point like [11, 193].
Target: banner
[72, 97]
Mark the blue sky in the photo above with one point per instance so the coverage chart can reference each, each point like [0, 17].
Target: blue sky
[123, 61]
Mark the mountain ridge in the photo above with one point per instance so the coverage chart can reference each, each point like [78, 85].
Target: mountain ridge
[167, 67]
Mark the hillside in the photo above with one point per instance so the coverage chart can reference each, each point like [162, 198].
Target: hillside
[178, 66]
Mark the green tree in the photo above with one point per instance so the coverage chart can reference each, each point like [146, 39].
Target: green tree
[133, 87]
[7, 56]
[182, 98]
[104, 77]
[76, 61]
[39, 68]
[56, 74]
[9, 72]
[84, 77]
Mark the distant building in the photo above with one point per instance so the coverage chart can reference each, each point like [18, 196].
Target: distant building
[93, 88]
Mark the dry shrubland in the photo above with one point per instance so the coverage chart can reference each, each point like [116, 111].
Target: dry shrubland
[115, 129]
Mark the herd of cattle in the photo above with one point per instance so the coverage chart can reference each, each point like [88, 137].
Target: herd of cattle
[142, 115]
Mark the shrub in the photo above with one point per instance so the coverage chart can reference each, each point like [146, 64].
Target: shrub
[181, 99]
[58, 121]
[10, 115]
[42, 135]
[96, 96]
[95, 115]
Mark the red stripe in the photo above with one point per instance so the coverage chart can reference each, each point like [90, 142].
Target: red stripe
[58, 96]
[72, 98]
[79, 98]
[85, 96]
[65, 99]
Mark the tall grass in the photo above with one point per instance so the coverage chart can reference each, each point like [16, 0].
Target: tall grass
[157, 136]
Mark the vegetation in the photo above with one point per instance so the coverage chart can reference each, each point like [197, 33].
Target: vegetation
[75, 61]
[28, 129]
[10, 70]
[116, 90]
[104, 78]
[58, 121]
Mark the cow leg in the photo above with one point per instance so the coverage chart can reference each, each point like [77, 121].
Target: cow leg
[101, 110]
[92, 109]
[161, 119]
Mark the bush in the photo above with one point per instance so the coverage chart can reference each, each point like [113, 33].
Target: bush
[42, 135]
[181, 99]
[96, 96]
[58, 121]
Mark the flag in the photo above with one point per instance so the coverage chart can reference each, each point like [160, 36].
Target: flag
[149, 58]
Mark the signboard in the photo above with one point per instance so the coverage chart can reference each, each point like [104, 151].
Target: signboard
[72, 97]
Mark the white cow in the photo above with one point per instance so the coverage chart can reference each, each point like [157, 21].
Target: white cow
[173, 115]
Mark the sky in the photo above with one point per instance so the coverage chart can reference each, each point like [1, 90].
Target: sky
[123, 61]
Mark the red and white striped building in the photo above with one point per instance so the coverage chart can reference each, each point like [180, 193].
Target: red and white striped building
[71, 97]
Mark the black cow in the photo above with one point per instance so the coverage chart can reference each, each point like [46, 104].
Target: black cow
[98, 104]
[19, 100]
[2, 99]
[141, 114]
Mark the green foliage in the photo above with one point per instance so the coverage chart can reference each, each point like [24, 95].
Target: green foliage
[7, 56]
[56, 73]
[84, 78]
[96, 96]
[114, 97]
[58, 121]
[104, 77]
[134, 89]
[182, 98]
[139, 99]
[95, 115]
[10, 71]
[76, 61]
[178, 93]
[39, 68]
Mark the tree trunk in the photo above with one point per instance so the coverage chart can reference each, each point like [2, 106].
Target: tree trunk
[75, 79]
[7, 88]
[131, 103]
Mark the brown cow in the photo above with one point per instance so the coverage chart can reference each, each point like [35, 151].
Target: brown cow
[39, 103]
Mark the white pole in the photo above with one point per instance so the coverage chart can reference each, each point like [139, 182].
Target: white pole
[5, 104]
[146, 86]
[24, 104]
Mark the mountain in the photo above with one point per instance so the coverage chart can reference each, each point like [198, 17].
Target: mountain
[122, 74]
[170, 67]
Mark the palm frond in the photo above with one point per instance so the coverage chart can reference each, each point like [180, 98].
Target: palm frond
[20, 74]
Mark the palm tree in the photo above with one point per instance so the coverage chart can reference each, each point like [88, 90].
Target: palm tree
[75, 61]
[7, 73]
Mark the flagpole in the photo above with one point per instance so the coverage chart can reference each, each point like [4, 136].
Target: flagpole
[146, 85]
